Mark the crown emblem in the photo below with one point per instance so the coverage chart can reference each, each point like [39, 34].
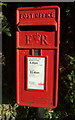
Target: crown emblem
[37, 37]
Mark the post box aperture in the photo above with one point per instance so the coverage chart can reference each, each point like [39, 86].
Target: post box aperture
[37, 56]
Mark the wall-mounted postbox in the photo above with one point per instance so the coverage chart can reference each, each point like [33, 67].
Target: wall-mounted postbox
[37, 53]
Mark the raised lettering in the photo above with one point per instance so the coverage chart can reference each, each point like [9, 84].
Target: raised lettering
[37, 15]
[28, 39]
[52, 15]
[31, 15]
[36, 39]
[21, 16]
[25, 16]
[43, 40]
[40, 15]
[43, 15]
[49, 15]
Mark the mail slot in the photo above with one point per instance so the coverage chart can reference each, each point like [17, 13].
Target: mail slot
[37, 56]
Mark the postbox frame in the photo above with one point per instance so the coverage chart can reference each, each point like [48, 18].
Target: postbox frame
[21, 51]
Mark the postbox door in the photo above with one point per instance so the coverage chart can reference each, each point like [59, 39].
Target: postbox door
[45, 97]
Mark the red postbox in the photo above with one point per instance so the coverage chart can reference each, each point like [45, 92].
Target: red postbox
[37, 74]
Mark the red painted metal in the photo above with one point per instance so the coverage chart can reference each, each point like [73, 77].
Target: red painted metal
[41, 31]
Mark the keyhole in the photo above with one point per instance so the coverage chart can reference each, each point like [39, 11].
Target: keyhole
[37, 51]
